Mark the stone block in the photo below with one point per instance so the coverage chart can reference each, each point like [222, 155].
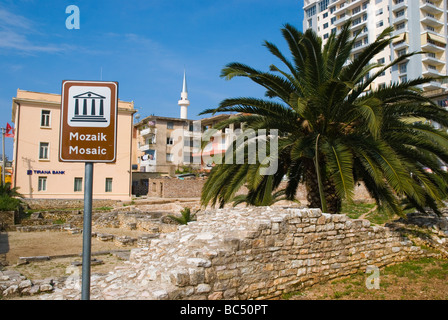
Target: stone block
[199, 262]
[203, 288]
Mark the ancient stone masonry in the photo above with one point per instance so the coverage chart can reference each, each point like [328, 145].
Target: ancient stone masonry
[175, 188]
[43, 204]
[249, 253]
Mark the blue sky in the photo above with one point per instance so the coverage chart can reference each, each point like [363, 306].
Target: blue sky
[143, 44]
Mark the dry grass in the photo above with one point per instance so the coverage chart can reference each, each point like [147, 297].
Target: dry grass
[424, 279]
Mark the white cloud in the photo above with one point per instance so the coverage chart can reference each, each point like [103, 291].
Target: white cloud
[17, 31]
[11, 20]
[10, 39]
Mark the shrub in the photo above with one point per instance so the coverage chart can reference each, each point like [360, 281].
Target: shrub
[8, 203]
[185, 217]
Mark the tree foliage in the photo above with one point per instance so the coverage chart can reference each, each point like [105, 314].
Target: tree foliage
[336, 128]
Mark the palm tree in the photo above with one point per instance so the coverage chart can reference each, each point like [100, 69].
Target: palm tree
[335, 129]
[267, 201]
[185, 217]
[6, 190]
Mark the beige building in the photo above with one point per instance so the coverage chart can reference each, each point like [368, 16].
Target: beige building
[164, 145]
[37, 170]
[160, 144]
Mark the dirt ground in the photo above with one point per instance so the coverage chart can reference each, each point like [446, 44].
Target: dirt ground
[25, 244]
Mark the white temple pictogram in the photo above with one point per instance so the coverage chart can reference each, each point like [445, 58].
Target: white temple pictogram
[89, 107]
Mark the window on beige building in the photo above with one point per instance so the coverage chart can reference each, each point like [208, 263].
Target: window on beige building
[169, 141]
[78, 185]
[170, 125]
[45, 118]
[44, 150]
[169, 157]
[42, 184]
[108, 184]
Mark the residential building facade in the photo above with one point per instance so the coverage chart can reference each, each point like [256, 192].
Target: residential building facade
[161, 144]
[37, 171]
[419, 25]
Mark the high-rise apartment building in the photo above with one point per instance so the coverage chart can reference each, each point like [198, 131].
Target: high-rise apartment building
[420, 25]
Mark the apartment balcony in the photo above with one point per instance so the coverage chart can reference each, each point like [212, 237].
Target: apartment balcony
[433, 85]
[144, 147]
[348, 7]
[358, 14]
[148, 168]
[401, 42]
[337, 2]
[356, 24]
[359, 48]
[306, 3]
[431, 20]
[341, 21]
[148, 163]
[400, 19]
[433, 43]
[399, 6]
[431, 47]
[432, 60]
[405, 59]
[148, 131]
[361, 33]
[431, 72]
[430, 7]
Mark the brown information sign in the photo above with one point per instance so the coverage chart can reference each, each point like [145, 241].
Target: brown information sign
[88, 121]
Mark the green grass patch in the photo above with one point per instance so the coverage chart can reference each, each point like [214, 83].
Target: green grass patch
[356, 209]
[105, 208]
[406, 269]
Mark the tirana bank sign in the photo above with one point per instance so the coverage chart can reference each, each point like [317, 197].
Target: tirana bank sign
[88, 121]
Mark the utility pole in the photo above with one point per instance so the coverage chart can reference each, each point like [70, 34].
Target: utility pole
[3, 156]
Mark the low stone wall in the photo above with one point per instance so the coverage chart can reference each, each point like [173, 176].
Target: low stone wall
[46, 204]
[7, 218]
[250, 253]
[192, 188]
[175, 188]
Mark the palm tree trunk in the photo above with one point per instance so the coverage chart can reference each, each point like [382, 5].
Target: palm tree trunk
[312, 186]
[334, 202]
[323, 201]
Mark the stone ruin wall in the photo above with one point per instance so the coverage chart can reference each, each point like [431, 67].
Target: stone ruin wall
[192, 188]
[249, 253]
[46, 204]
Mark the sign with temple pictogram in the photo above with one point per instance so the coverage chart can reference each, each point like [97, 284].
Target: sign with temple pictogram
[88, 121]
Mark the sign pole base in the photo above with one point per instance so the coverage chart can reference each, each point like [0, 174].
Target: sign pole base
[87, 231]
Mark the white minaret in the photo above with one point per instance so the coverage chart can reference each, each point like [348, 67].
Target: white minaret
[184, 102]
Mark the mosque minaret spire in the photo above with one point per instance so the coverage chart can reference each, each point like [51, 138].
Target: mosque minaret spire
[184, 102]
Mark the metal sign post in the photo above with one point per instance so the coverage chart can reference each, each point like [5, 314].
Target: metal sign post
[88, 134]
[87, 231]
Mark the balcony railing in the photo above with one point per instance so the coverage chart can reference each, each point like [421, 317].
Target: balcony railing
[431, 7]
[148, 131]
[431, 20]
[398, 5]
